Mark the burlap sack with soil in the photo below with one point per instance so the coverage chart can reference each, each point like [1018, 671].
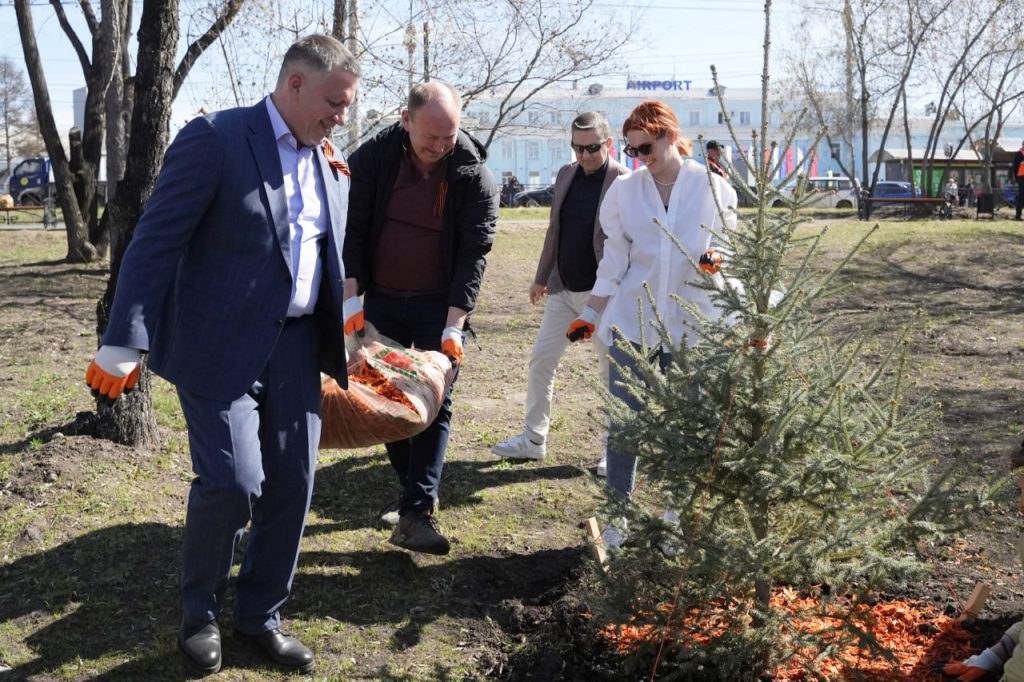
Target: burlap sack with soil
[361, 416]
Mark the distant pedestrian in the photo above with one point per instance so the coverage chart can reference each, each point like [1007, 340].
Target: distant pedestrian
[952, 192]
[714, 157]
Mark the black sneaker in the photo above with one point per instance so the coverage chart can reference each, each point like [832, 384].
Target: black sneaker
[417, 531]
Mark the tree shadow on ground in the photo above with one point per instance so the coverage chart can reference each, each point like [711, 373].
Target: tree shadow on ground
[382, 587]
[353, 490]
[958, 280]
[113, 593]
[481, 599]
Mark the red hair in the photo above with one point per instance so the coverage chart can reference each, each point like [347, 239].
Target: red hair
[656, 119]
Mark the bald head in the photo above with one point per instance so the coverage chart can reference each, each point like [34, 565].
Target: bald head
[434, 92]
[432, 121]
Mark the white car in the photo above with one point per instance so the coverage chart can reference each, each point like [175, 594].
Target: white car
[823, 192]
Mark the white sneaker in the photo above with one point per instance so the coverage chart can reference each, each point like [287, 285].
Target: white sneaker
[520, 447]
[602, 466]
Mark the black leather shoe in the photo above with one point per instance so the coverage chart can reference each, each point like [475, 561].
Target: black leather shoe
[201, 649]
[283, 649]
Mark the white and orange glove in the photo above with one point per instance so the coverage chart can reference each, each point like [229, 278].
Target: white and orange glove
[451, 344]
[710, 261]
[984, 666]
[583, 327]
[114, 370]
[352, 310]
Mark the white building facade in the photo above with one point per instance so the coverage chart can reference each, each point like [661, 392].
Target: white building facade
[535, 144]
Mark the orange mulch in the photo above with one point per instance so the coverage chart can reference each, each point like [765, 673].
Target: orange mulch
[919, 638]
[374, 379]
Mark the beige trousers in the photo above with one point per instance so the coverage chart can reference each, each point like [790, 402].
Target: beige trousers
[559, 312]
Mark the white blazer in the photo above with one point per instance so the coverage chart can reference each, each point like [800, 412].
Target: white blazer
[637, 250]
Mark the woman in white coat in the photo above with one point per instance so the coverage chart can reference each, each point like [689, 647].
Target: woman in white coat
[671, 193]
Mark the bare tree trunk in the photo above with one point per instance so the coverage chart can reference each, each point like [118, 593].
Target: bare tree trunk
[426, 52]
[131, 420]
[353, 46]
[118, 108]
[909, 142]
[151, 93]
[340, 14]
[410, 48]
[849, 119]
[80, 249]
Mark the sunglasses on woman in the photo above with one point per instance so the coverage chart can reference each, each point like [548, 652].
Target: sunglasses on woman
[589, 148]
[633, 152]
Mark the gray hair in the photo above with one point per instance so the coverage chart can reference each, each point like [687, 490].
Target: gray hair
[592, 120]
[319, 53]
[421, 93]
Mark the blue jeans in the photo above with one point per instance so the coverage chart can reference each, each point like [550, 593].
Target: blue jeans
[622, 465]
[416, 321]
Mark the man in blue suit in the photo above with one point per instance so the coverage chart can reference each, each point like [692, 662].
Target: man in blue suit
[233, 284]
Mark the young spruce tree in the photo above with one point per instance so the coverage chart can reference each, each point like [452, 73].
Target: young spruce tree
[786, 456]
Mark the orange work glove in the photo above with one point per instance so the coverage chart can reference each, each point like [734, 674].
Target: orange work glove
[710, 262]
[352, 310]
[114, 370]
[984, 666]
[583, 327]
[451, 344]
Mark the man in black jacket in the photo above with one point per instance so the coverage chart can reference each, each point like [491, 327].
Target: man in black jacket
[421, 218]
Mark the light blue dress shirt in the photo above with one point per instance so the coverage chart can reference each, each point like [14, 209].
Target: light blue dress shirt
[307, 217]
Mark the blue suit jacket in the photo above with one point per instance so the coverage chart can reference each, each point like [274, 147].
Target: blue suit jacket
[205, 283]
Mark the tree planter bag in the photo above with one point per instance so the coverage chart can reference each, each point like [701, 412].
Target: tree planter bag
[393, 393]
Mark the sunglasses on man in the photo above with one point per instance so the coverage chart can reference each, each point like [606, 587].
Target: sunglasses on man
[633, 152]
[588, 148]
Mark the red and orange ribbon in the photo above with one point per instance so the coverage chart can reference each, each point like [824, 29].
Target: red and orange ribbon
[336, 164]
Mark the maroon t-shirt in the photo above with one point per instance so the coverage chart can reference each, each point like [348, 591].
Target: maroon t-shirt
[408, 257]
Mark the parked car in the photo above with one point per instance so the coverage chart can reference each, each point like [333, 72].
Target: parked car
[893, 189]
[534, 197]
[823, 192]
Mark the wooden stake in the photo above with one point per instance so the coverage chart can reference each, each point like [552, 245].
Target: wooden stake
[597, 543]
[976, 603]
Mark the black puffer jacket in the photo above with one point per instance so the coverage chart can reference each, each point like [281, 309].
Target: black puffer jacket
[470, 211]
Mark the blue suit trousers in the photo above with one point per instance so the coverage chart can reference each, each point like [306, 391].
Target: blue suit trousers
[254, 459]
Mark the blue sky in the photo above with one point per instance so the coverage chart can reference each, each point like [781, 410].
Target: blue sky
[677, 39]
